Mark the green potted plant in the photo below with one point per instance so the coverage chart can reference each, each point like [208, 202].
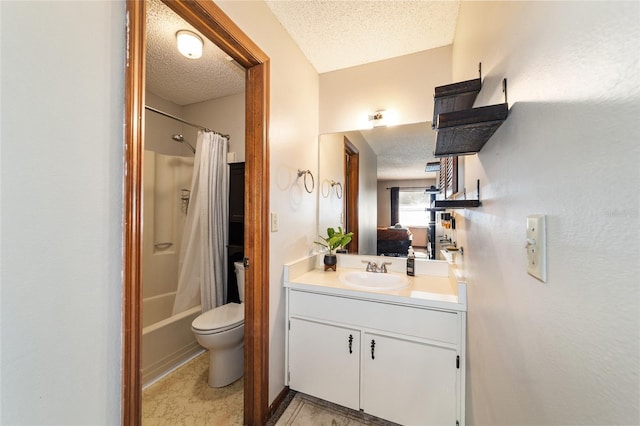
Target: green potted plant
[335, 240]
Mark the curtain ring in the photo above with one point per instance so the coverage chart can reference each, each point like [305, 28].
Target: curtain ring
[313, 182]
[337, 185]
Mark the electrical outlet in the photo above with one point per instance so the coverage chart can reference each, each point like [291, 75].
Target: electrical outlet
[537, 247]
[274, 222]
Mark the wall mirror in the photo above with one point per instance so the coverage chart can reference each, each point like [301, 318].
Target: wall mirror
[385, 157]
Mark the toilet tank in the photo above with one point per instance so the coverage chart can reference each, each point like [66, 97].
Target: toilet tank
[239, 267]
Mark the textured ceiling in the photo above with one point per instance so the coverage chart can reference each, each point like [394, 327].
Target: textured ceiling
[403, 151]
[333, 35]
[338, 34]
[182, 80]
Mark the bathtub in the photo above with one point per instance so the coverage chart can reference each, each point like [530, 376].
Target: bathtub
[167, 341]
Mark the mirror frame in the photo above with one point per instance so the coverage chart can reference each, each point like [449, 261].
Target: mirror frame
[211, 21]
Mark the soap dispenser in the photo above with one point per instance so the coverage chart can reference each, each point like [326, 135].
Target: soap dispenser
[411, 262]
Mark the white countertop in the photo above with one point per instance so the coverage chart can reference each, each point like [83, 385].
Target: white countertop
[436, 291]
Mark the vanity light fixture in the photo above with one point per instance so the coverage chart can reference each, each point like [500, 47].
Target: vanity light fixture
[189, 44]
[432, 167]
[378, 119]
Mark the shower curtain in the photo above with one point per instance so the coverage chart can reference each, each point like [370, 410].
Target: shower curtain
[202, 262]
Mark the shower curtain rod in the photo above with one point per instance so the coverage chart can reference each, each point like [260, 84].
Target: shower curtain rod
[166, 114]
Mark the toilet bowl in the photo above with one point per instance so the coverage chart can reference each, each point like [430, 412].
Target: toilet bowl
[221, 331]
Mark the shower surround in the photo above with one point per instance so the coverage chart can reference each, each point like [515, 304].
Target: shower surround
[167, 340]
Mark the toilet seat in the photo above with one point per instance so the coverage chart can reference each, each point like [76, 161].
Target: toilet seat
[219, 319]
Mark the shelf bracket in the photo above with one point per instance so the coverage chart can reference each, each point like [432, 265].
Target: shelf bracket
[437, 205]
[504, 89]
[480, 70]
[464, 192]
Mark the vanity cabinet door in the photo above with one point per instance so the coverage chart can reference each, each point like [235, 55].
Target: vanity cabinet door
[408, 382]
[324, 361]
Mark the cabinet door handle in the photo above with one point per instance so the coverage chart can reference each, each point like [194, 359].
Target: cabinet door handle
[373, 349]
[351, 343]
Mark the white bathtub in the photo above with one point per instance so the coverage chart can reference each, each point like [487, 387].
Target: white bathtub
[167, 341]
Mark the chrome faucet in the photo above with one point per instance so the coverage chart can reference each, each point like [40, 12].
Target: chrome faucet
[373, 266]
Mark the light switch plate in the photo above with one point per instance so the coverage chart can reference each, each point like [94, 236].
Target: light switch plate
[274, 222]
[537, 247]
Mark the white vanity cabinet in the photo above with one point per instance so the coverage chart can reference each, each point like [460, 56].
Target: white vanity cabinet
[325, 360]
[408, 382]
[399, 362]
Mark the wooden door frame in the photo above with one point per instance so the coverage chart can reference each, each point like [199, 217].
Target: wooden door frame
[352, 175]
[211, 21]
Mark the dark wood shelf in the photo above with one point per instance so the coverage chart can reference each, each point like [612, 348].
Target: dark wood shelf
[455, 97]
[466, 132]
[455, 204]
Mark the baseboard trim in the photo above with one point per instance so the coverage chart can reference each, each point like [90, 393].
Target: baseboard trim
[279, 404]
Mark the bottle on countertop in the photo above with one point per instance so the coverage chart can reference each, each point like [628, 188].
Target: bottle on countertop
[411, 262]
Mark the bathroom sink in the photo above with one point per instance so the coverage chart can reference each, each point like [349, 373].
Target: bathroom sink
[373, 281]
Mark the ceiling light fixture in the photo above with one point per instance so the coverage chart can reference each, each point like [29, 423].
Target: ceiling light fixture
[378, 119]
[432, 167]
[189, 44]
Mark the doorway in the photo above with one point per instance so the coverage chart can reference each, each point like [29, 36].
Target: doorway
[210, 21]
[351, 173]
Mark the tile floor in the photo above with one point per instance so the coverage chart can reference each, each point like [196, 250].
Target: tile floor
[184, 398]
[305, 410]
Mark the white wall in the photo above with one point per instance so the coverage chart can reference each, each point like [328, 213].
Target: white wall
[61, 170]
[293, 145]
[224, 115]
[403, 86]
[565, 351]
[159, 129]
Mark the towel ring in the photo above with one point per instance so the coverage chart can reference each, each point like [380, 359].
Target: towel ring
[337, 185]
[325, 184]
[313, 182]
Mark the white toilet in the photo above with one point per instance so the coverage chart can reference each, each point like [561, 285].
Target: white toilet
[221, 331]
